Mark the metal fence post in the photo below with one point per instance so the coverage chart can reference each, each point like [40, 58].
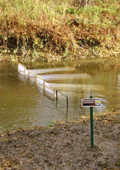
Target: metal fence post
[91, 125]
[28, 73]
[56, 95]
[35, 78]
[67, 102]
[53, 95]
[24, 71]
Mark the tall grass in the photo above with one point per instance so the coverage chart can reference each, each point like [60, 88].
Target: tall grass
[57, 26]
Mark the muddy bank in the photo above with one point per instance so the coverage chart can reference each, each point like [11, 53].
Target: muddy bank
[63, 146]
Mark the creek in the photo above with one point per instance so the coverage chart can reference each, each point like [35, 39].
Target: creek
[22, 105]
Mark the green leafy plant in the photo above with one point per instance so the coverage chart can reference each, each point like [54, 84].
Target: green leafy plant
[117, 163]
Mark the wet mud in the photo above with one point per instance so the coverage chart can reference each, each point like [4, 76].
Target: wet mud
[64, 146]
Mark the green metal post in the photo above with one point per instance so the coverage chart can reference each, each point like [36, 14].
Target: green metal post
[91, 125]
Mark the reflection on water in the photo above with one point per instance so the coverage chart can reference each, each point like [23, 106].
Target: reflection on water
[22, 104]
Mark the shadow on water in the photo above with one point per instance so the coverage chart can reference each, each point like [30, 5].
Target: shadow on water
[21, 104]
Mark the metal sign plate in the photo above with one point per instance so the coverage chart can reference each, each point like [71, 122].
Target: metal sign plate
[90, 102]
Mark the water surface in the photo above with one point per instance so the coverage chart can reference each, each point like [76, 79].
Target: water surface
[21, 104]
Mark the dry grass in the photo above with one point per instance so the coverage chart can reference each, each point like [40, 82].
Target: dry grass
[49, 26]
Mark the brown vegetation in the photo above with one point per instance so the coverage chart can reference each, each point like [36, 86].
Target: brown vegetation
[59, 28]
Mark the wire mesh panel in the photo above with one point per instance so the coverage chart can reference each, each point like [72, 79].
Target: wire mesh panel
[31, 74]
[26, 71]
[49, 92]
[42, 86]
[21, 76]
[21, 68]
[32, 77]
[39, 80]
[61, 98]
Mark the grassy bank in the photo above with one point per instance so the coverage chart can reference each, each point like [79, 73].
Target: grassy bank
[49, 30]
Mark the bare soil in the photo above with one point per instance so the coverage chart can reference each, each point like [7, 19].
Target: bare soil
[64, 146]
